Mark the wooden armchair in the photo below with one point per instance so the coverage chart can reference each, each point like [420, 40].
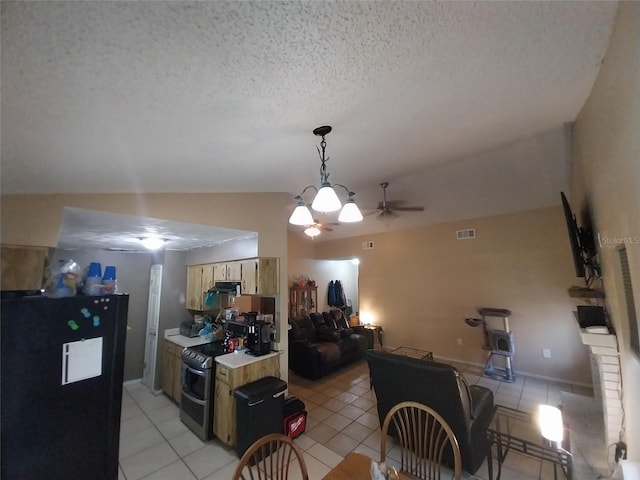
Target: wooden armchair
[270, 457]
[425, 441]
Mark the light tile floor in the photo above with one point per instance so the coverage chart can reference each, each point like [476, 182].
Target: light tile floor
[342, 417]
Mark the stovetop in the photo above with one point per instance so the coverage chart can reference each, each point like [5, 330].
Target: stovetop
[201, 356]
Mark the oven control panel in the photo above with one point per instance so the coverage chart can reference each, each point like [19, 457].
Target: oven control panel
[196, 359]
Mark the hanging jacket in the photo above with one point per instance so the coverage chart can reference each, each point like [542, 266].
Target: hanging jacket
[332, 299]
[341, 299]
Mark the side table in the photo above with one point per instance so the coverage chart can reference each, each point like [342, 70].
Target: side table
[370, 332]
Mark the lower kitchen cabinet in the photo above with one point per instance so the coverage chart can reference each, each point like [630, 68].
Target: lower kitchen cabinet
[171, 370]
[228, 378]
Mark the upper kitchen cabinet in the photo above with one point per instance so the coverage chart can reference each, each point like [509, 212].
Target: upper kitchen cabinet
[227, 272]
[260, 276]
[200, 278]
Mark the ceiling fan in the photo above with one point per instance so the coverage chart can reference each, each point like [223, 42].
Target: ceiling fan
[316, 228]
[388, 208]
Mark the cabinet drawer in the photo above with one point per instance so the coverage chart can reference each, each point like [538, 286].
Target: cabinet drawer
[222, 373]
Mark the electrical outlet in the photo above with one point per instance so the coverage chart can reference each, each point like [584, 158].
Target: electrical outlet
[546, 353]
[459, 341]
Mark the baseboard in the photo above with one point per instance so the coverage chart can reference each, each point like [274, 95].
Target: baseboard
[517, 371]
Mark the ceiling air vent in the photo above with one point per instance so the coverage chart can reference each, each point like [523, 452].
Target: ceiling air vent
[367, 245]
[467, 234]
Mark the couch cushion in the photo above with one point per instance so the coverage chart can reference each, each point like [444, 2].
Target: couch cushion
[318, 320]
[329, 351]
[302, 329]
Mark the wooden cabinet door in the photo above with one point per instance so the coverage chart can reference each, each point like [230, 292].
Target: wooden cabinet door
[227, 380]
[268, 276]
[177, 375]
[249, 276]
[207, 277]
[234, 271]
[168, 365]
[219, 272]
[194, 287]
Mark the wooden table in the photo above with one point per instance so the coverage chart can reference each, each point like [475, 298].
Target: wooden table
[356, 466]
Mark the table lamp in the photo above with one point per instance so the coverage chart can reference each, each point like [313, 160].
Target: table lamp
[551, 427]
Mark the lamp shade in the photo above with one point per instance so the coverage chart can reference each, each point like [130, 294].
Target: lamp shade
[550, 419]
[326, 199]
[301, 215]
[312, 231]
[350, 212]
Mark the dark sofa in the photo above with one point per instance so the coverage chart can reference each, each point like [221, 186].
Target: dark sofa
[467, 409]
[322, 342]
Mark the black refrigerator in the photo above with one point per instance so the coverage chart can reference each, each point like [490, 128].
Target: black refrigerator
[61, 386]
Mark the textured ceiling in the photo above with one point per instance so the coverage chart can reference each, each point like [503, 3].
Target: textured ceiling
[223, 96]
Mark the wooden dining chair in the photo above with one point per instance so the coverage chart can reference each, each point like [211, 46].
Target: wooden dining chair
[270, 457]
[426, 441]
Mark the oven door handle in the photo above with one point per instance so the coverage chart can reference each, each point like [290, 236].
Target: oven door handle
[193, 399]
[200, 373]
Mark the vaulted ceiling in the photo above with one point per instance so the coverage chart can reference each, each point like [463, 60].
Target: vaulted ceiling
[223, 96]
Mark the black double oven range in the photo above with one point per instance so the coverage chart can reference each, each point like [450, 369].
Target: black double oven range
[198, 387]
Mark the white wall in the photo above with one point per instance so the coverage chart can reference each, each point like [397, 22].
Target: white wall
[606, 177]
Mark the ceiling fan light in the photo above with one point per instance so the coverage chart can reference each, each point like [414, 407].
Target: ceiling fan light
[152, 243]
[312, 231]
[350, 212]
[301, 215]
[326, 199]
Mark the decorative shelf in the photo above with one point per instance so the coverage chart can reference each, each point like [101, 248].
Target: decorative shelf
[584, 292]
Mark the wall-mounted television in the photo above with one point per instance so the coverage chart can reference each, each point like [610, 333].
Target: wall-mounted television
[582, 243]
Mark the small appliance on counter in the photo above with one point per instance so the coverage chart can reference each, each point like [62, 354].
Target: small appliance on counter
[258, 335]
[190, 329]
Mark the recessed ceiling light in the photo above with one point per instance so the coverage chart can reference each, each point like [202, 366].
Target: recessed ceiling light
[152, 243]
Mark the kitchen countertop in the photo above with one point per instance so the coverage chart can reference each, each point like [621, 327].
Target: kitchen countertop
[240, 359]
[173, 335]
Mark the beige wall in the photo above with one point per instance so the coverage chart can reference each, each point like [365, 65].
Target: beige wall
[606, 176]
[420, 285]
[36, 220]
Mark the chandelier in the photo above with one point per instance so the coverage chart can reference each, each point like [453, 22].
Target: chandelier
[326, 198]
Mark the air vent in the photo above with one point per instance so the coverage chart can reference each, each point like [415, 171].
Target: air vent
[467, 234]
[367, 245]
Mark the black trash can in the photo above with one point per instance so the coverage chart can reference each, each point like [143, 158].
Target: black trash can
[258, 411]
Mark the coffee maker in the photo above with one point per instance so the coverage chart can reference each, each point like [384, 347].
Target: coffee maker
[258, 335]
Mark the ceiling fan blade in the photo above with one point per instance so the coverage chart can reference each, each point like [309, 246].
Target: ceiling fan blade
[386, 215]
[410, 209]
[393, 204]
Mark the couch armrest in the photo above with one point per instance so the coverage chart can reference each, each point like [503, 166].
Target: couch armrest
[328, 335]
[304, 358]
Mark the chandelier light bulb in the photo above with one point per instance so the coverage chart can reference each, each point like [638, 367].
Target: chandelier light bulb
[350, 212]
[301, 215]
[326, 199]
